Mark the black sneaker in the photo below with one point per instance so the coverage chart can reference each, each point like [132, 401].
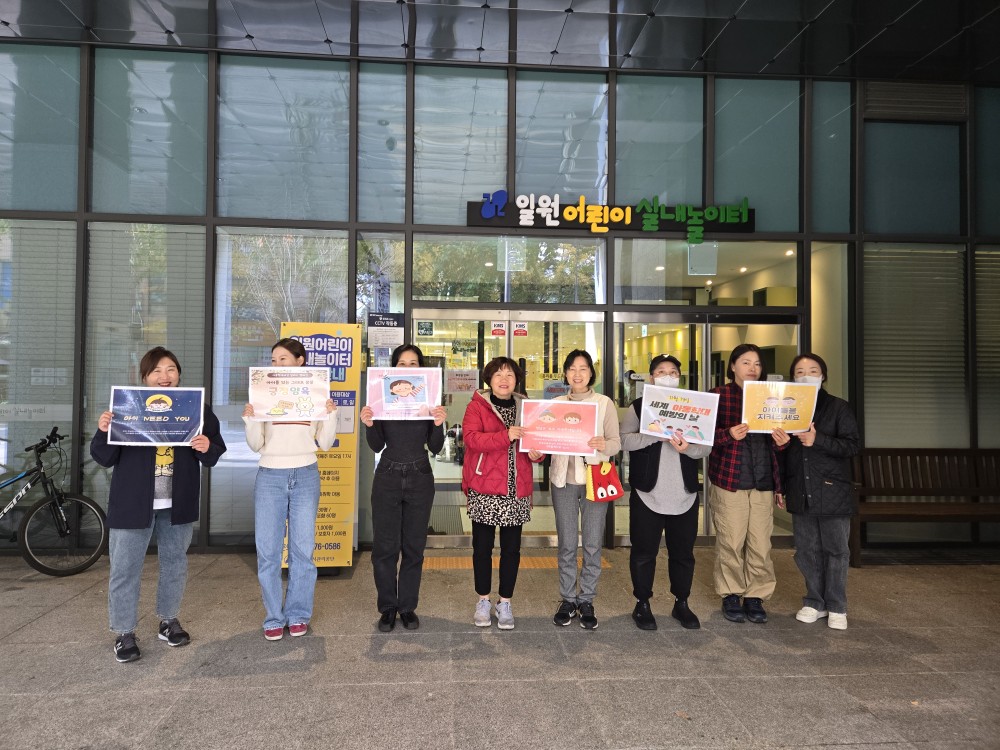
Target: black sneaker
[754, 609]
[732, 610]
[643, 615]
[683, 614]
[172, 632]
[126, 648]
[588, 620]
[566, 612]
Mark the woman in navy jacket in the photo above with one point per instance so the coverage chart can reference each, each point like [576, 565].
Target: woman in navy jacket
[152, 489]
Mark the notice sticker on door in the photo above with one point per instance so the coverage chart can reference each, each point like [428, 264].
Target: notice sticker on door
[499, 327]
[520, 329]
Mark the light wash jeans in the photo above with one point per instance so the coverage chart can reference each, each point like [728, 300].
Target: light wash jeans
[574, 512]
[290, 495]
[127, 550]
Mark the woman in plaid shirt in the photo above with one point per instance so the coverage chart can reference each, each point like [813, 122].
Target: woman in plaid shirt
[743, 469]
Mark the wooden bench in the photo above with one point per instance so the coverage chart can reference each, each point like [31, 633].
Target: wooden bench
[924, 485]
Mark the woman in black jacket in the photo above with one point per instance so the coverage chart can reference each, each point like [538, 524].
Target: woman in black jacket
[816, 475]
[153, 489]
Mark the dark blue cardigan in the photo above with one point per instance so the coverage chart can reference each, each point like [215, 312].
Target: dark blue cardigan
[130, 501]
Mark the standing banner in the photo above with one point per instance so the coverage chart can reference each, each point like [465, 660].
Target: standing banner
[155, 416]
[769, 405]
[562, 427]
[675, 411]
[404, 392]
[289, 394]
[338, 347]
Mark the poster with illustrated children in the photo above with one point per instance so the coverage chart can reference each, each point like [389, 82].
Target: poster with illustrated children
[770, 405]
[562, 427]
[677, 412]
[289, 394]
[404, 392]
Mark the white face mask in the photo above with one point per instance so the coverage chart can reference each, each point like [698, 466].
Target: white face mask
[667, 381]
[809, 379]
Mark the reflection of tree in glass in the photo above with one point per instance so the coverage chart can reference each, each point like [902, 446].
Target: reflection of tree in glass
[380, 264]
[553, 272]
[289, 277]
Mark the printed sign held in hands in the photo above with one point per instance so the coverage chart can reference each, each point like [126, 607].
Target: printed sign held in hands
[289, 394]
[670, 412]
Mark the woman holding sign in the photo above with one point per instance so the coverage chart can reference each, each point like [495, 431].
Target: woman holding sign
[287, 492]
[574, 512]
[497, 480]
[743, 468]
[816, 478]
[402, 495]
[663, 473]
[154, 489]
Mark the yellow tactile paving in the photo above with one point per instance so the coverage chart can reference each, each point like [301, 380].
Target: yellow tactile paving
[527, 563]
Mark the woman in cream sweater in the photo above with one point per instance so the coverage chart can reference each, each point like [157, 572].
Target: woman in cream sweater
[287, 489]
[573, 511]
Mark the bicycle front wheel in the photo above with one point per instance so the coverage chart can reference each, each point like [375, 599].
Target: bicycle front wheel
[63, 536]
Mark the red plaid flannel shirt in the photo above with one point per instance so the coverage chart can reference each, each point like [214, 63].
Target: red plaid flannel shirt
[725, 459]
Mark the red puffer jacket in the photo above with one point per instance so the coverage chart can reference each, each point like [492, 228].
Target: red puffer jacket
[486, 443]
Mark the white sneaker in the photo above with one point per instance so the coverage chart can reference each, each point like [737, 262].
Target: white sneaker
[483, 618]
[505, 618]
[809, 614]
[837, 621]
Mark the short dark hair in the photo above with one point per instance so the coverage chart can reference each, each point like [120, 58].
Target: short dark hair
[402, 349]
[661, 358]
[571, 358]
[738, 352]
[152, 358]
[808, 355]
[294, 346]
[394, 383]
[495, 365]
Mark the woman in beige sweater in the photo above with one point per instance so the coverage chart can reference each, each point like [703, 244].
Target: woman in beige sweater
[287, 490]
[576, 516]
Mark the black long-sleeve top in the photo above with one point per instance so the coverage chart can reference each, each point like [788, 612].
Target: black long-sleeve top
[404, 440]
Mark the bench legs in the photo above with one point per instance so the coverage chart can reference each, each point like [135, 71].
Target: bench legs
[855, 541]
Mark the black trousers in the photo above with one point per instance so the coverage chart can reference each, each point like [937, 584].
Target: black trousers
[482, 557]
[402, 496]
[645, 529]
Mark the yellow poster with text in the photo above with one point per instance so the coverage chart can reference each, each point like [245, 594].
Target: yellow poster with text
[769, 405]
[337, 346]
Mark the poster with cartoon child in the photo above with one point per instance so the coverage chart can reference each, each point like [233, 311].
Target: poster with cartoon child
[562, 427]
[404, 392]
[676, 411]
[289, 394]
[768, 405]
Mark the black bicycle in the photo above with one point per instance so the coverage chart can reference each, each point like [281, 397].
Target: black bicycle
[61, 533]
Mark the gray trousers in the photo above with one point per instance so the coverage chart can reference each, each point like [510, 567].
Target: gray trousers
[575, 513]
[822, 554]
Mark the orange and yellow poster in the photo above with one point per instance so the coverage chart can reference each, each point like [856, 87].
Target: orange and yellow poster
[337, 346]
[769, 405]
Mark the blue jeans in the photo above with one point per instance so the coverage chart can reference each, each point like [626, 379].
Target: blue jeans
[292, 496]
[127, 550]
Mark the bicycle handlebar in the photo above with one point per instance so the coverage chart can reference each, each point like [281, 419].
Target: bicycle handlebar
[42, 445]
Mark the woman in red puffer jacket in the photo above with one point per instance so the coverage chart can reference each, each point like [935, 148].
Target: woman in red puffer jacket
[497, 481]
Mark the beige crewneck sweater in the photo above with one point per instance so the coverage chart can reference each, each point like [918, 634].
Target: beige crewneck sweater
[290, 445]
[607, 415]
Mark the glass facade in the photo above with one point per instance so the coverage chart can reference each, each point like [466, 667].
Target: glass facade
[222, 194]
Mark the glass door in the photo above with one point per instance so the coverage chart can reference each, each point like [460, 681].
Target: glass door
[462, 342]
[702, 343]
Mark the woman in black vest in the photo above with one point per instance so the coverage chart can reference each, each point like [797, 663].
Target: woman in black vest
[663, 474]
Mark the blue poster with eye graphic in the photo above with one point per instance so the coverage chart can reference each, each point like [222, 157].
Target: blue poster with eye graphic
[155, 416]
